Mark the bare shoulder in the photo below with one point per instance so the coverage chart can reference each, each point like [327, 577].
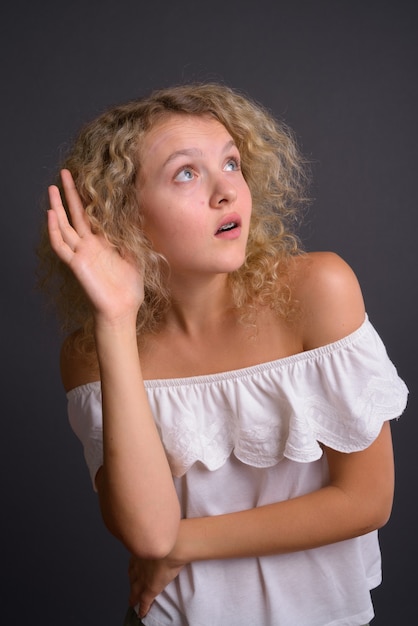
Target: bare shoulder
[330, 298]
[76, 368]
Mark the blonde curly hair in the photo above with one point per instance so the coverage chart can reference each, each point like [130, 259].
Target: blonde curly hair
[105, 162]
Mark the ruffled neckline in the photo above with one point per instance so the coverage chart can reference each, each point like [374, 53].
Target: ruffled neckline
[337, 395]
[276, 364]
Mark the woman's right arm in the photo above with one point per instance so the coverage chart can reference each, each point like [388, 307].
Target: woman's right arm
[137, 497]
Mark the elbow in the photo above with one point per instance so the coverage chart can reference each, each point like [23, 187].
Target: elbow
[382, 517]
[155, 545]
[385, 511]
[145, 538]
[147, 532]
[377, 515]
[150, 553]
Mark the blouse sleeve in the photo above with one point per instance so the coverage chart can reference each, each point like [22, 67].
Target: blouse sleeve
[85, 417]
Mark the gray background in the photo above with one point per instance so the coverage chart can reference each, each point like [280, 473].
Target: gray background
[343, 75]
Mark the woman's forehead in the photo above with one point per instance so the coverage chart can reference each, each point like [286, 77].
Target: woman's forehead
[177, 131]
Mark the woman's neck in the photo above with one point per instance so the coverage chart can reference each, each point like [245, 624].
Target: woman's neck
[198, 305]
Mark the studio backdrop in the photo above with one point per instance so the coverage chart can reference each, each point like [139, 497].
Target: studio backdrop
[343, 75]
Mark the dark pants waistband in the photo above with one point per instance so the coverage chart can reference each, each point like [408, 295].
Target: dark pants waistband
[132, 619]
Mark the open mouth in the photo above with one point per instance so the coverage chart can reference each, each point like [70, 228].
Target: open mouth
[229, 226]
[226, 227]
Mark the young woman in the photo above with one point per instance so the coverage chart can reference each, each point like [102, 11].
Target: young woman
[231, 395]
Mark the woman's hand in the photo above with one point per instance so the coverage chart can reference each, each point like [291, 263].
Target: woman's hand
[112, 283]
[148, 579]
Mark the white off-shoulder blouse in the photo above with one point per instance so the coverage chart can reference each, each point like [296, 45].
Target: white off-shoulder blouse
[252, 436]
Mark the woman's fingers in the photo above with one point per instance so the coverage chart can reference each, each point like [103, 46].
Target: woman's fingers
[62, 248]
[111, 281]
[63, 236]
[75, 206]
[147, 580]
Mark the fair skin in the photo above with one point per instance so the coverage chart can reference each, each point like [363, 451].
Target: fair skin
[190, 184]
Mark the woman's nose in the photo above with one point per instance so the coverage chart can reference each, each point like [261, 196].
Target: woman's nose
[224, 192]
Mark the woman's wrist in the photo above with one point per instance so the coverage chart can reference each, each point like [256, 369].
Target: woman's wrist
[188, 546]
[121, 324]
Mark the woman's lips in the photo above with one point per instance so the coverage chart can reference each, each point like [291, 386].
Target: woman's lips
[229, 227]
[232, 233]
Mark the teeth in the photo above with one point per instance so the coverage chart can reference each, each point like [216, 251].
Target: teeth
[228, 226]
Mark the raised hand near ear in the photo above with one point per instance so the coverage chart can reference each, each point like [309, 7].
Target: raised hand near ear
[112, 282]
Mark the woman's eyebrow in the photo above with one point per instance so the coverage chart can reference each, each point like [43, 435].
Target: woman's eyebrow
[194, 152]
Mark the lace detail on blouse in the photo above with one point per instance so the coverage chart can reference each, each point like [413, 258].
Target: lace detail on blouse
[338, 395]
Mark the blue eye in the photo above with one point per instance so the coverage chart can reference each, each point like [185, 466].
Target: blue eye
[184, 175]
[232, 165]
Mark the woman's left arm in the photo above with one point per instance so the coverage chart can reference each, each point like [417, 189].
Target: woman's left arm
[357, 500]
[358, 497]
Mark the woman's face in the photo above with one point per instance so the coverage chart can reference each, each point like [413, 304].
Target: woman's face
[193, 196]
